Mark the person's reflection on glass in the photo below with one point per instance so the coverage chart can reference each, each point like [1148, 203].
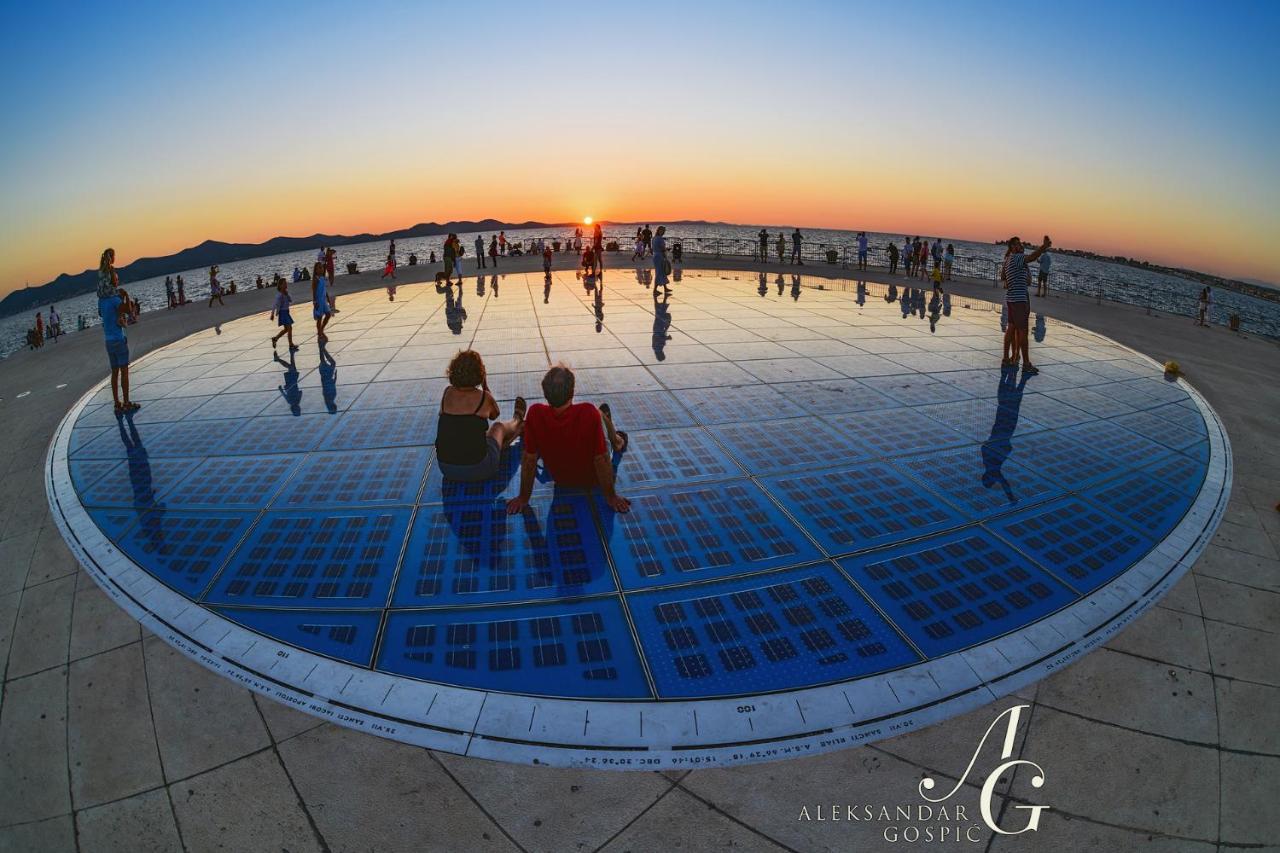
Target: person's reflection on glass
[150, 531]
[862, 293]
[144, 493]
[1039, 329]
[935, 311]
[946, 304]
[454, 314]
[677, 273]
[642, 275]
[891, 295]
[998, 446]
[661, 325]
[599, 309]
[493, 283]
[479, 285]
[763, 289]
[907, 303]
[795, 288]
[546, 292]
[782, 285]
[290, 390]
[328, 371]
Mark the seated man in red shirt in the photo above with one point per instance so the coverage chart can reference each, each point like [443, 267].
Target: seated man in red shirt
[570, 439]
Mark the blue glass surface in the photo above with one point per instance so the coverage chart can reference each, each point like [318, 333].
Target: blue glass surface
[242, 482]
[790, 524]
[357, 478]
[1149, 504]
[471, 553]
[688, 533]
[953, 591]
[852, 509]
[788, 445]
[771, 632]
[559, 649]
[979, 481]
[659, 457]
[1079, 543]
[344, 558]
[181, 549]
[892, 432]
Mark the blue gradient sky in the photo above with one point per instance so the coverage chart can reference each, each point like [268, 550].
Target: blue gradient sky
[1139, 128]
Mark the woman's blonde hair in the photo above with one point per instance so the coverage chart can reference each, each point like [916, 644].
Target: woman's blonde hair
[466, 369]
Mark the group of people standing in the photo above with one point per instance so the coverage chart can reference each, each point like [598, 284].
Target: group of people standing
[797, 240]
[915, 256]
[41, 332]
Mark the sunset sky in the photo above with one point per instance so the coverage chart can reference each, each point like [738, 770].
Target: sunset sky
[1140, 129]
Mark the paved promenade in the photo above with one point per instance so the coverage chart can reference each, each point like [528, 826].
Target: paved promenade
[1167, 739]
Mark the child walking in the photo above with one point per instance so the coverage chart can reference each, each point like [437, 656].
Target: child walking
[322, 310]
[280, 313]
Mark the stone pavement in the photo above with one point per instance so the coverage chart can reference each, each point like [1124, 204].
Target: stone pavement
[1166, 739]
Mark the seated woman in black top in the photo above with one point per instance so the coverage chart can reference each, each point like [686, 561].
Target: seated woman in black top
[467, 445]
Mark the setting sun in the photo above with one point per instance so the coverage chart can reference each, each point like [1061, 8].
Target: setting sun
[586, 220]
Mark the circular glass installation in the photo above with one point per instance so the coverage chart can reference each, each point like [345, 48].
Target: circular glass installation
[845, 520]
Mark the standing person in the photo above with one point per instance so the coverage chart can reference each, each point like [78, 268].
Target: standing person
[215, 287]
[1016, 279]
[390, 268]
[182, 291]
[55, 323]
[39, 330]
[114, 312]
[1042, 278]
[796, 237]
[450, 260]
[480, 252]
[280, 313]
[168, 291]
[546, 263]
[862, 250]
[331, 276]
[502, 242]
[638, 254]
[936, 251]
[764, 246]
[893, 258]
[493, 251]
[1202, 306]
[906, 257]
[781, 246]
[661, 266]
[948, 260]
[597, 248]
[1208, 305]
[321, 309]
[647, 237]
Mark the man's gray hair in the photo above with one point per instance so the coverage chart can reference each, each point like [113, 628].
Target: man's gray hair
[557, 385]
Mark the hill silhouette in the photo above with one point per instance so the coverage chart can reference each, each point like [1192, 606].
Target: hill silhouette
[217, 252]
